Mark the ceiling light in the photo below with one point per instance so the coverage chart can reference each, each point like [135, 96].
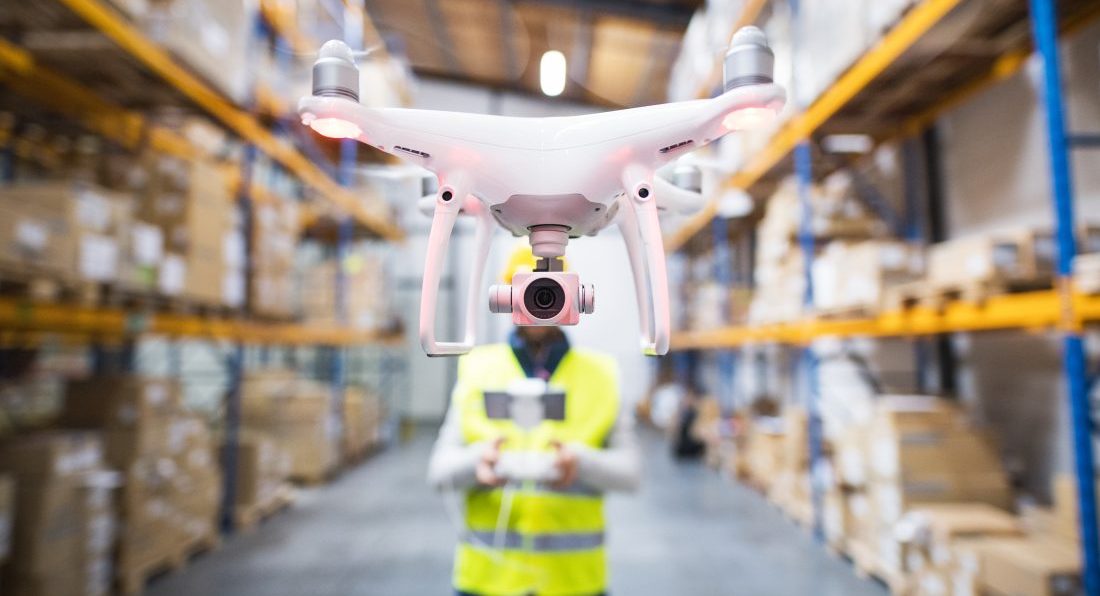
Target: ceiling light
[552, 73]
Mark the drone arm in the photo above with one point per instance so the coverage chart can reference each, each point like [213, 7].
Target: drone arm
[676, 199]
[640, 198]
[399, 132]
[448, 206]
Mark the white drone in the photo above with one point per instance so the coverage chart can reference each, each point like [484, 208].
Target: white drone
[551, 179]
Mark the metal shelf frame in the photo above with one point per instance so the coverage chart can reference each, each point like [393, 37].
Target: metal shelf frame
[863, 74]
[133, 41]
[1059, 310]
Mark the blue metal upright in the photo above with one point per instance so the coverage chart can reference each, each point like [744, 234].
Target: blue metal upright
[803, 169]
[723, 274]
[1044, 20]
[230, 453]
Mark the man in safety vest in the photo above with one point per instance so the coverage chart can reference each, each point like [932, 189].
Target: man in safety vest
[552, 540]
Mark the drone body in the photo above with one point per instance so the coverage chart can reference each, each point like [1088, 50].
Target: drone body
[551, 179]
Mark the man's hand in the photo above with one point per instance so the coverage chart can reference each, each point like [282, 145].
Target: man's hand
[486, 467]
[566, 464]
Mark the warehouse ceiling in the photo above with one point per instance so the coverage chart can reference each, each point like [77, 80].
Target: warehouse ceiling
[619, 52]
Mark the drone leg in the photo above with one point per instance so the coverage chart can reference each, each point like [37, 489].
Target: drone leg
[637, 181]
[628, 226]
[449, 202]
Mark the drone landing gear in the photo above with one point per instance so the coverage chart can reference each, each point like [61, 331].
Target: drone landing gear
[641, 232]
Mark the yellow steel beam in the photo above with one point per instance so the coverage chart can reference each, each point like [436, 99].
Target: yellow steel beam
[27, 317]
[912, 27]
[678, 238]
[799, 128]
[20, 72]
[283, 21]
[133, 41]
[1029, 311]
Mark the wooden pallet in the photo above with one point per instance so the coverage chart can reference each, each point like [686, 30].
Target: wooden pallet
[936, 297]
[844, 313]
[132, 577]
[866, 565]
[316, 478]
[247, 518]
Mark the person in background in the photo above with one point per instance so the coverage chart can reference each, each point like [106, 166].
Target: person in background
[554, 534]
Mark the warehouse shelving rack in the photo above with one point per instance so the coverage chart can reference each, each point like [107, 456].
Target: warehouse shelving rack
[111, 331]
[847, 106]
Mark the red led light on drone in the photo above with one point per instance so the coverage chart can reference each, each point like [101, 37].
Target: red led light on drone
[748, 118]
[336, 128]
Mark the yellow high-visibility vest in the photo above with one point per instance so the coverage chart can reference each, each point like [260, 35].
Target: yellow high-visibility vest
[553, 543]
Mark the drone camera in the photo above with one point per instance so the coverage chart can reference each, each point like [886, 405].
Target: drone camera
[543, 298]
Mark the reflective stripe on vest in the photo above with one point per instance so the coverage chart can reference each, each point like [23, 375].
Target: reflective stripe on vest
[553, 539]
[544, 543]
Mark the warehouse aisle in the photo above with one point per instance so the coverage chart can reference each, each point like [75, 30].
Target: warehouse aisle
[380, 531]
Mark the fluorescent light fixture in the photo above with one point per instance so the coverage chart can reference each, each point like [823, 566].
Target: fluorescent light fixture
[552, 73]
[335, 128]
[859, 144]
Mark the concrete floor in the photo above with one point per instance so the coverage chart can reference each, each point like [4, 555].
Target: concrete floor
[379, 530]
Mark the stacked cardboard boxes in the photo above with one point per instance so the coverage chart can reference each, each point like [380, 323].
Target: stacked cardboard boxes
[918, 451]
[764, 448]
[274, 235]
[171, 492]
[855, 276]
[209, 36]
[298, 415]
[790, 488]
[65, 525]
[191, 204]
[362, 422]
[101, 531]
[938, 540]
[779, 275]
[70, 230]
[262, 471]
[968, 549]
[364, 277]
[1024, 258]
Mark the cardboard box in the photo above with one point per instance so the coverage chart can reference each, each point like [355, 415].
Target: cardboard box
[298, 415]
[50, 455]
[274, 237]
[73, 231]
[1017, 257]
[51, 531]
[856, 276]
[134, 414]
[262, 468]
[120, 402]
[192, 204]
[1030, 567]
[1064, 523]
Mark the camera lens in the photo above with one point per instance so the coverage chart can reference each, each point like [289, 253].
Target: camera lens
[544, 298]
